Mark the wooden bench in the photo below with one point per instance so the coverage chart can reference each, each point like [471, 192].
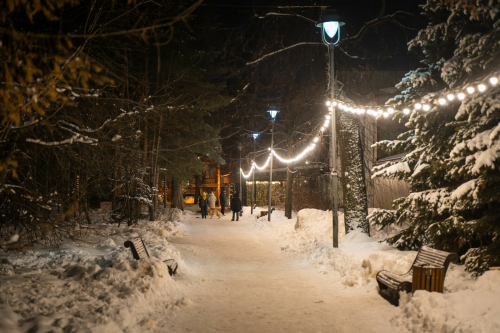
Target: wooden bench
[139, 251]
[391, 284]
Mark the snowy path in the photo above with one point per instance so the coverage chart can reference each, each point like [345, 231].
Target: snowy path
[242, 282]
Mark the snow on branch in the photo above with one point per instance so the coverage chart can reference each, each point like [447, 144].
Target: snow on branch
[75, 138]
[285, 14]
[286, 48]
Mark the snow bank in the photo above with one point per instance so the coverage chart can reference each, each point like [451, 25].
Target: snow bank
[92, 286]
[466, 306]
[354, 263]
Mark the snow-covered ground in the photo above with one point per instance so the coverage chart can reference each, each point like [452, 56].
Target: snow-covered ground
[91, 286]
[467, 304]
[246, 276]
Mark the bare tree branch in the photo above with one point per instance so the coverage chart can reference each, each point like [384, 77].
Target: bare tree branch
[286, 48]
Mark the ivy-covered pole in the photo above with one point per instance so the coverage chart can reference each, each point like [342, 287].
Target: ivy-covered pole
[330, 30]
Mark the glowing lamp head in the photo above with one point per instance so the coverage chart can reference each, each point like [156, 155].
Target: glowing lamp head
[272, 111]
[255, 136]
[330, 109]
[322, 129]
[330, 24]
[418, 106]
[362, 111]
[426, 107]
[461, 96]
[390, 110]
[327, 117]
[316, 139]
[406, 111]
[493, 80]
[334, 103]
[385, 114]
[328, 103]
[450, 97]
[481, 87]
[331, 28]
[470, 90]
[380, 112]
[442, 101]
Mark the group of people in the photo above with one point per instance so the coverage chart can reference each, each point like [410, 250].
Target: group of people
[209, 202]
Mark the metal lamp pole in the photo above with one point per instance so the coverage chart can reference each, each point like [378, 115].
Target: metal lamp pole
[240, 147]
[330, 24]
[270, 176]
[255, 135]
[273, 112]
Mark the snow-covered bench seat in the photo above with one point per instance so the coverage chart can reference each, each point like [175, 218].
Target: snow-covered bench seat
[139, 251]
[391, 284]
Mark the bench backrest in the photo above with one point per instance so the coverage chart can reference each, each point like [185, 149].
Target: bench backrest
[433, 257]
[138, 248]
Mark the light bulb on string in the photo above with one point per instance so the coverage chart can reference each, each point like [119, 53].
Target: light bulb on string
[380, 112]
[362, 111]
[390, 110]
[470, 90]
[418, 106]
[442, 101]
[327, 117]
[334, 103]
[493, 81]
[461, 96]
[385, 114]
[426, 107]
[330, 109]
[406, 111]
[450, 97]
[481, 87]
[322, 129]
[316, 139]
[328, 103]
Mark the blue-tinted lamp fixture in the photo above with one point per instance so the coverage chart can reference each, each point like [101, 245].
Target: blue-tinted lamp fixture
[255, 136]
[330, 24]
[273, 112]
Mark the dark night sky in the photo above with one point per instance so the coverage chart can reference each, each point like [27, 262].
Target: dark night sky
[384, 48]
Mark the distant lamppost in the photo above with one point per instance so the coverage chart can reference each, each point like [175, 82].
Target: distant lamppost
[255, 136]
[273, 113]
[240, 147]
[330, 26]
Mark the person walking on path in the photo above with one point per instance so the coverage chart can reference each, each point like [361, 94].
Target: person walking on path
[211, 204]
[203, 205]
[222, 201]
[236, 206]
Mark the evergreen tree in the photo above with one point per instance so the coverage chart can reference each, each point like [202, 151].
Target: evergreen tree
[452, 162]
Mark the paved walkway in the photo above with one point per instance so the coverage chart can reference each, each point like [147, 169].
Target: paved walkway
[240, 281]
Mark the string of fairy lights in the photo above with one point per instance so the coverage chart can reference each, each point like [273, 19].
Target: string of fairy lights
[424, 104]
[272, 152]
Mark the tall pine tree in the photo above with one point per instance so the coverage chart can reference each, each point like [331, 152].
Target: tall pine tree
[452, 162]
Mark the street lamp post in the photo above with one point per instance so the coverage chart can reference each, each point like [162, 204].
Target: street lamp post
[273, 112]
[240, 147]
[330, 27]
[255, 136]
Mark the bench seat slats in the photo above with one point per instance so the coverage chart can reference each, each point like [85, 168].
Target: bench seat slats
[425, 256]
[139, 251]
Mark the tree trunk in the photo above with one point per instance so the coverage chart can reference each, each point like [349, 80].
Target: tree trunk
[289, 193]
[352, 173]
[164, 190]
[196, 189]
[177, 199]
